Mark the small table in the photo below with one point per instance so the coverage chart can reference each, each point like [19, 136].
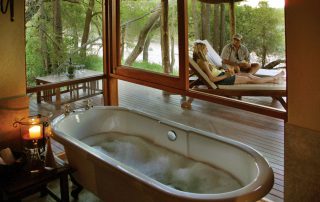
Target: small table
[24, 183]
[91, 87]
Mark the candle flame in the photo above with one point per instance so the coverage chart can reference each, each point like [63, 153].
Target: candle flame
[35, 132]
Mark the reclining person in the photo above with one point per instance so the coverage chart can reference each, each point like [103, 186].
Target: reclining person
[227, 77]
[237, 56]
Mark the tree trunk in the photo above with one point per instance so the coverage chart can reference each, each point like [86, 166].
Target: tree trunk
[205, 21]
[263, 56]
[86, 29]
[232, 19]
[216, 28]
[123, 38]
[202, 16]
[145, 56]
[172, 34]
[75, 40]
[165, 36]
[43, 39]
[195, 20]
[57, 30]
[142, 38]
[172, 54]
[148, 41]
[223, 27]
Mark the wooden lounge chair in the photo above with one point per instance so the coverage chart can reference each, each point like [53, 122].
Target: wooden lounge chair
[276, 91]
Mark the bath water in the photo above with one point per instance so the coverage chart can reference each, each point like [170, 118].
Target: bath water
[163, 165]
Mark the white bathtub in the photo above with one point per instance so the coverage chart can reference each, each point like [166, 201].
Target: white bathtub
[114, 181]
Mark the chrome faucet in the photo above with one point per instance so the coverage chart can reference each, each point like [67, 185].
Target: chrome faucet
[67, 109]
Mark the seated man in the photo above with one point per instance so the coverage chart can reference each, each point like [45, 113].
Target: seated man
[222, 77]
[236, 56]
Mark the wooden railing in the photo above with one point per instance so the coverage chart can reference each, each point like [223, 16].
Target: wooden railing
[46, 91]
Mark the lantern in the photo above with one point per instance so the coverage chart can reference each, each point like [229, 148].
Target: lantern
[33, 137]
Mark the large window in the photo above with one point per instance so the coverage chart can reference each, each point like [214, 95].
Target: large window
[149, 35]
[148, 40]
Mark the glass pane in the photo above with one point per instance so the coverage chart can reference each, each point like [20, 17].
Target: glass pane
[63, 40]
[149, 35]
[262, 30]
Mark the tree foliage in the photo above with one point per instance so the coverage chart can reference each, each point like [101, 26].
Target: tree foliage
[43, 44]
[131, 10]
[140, 28]
[263, 29]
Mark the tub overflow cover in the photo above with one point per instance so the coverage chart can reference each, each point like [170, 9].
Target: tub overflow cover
[172, 135]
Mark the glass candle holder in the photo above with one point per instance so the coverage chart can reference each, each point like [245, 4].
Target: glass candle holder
[33, 137]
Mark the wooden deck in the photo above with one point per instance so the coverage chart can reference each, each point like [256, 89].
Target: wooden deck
[263, 133]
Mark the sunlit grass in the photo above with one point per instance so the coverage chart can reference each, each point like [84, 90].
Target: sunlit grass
[154, 67]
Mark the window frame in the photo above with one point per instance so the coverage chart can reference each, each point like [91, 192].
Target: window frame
[140, 76]
[177, 85]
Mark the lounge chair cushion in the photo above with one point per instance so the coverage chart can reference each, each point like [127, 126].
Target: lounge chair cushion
[268, 72]
[213, 56]
[263, 86]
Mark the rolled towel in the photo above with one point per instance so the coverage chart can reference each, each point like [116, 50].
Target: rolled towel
[7, 156]
[2, 161]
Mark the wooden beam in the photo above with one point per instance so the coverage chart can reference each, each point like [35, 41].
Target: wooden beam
[111, 97]
[114, 52]
[183, 44]
[106, 48]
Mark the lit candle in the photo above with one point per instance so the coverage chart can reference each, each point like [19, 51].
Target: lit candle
[35, 132]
